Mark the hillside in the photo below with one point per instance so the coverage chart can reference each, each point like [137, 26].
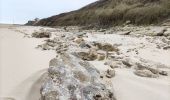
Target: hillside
[113, 12]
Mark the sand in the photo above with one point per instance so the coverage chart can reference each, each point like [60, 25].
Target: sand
[128, 86]
[21, 65]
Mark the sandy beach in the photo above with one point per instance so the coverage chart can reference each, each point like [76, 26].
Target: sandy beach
[21, 65]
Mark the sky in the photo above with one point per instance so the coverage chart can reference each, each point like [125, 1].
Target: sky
[20, 11]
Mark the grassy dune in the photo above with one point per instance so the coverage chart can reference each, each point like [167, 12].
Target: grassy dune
[114, 12]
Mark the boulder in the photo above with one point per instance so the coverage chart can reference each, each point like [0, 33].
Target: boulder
[41, 34]
[73, 79]
[145, 73]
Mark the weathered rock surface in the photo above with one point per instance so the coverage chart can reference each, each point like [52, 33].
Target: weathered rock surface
[106, 47]
[110, 73]
[145, 73]
[73, 79]
[41, 34]
[91, 55]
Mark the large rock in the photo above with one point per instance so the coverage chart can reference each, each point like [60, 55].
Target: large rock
[73, 79]
[41, 34]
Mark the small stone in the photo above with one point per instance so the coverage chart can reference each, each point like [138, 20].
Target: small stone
[110, 73]
[164, 73]
[125, 62]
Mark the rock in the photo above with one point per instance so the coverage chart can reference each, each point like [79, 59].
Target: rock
[106, 47]
[161, 32]
[153, 70]
[145, 73]
[85, 45]
[45, 47]
[166, 47]
[147, 67]
[101, 56]
[164, 73]
[41, 34]
[168, 37]
[89, 56]
[70, 78]
[127, 22]
[115, 64]
[127, 63]
[110, 73]
[167, 33]
[80, 35]
[126, 33]
[79, 40]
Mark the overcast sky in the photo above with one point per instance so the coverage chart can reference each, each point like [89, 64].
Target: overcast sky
[20, 11]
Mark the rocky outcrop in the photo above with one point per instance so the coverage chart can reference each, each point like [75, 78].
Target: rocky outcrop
[41, 34]
[70, 78]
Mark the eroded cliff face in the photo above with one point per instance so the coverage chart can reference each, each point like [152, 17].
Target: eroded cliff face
[70, 78]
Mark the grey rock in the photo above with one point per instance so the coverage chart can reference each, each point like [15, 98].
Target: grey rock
[166, 47]
[127, 63]
[164, 73]
[70, 78]
[106, 47]
[110, 73]
[145, 73]
[41, 34]
[160, 32]
[126, 33]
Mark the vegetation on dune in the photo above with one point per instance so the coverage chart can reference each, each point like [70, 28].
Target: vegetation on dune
[114, 12]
